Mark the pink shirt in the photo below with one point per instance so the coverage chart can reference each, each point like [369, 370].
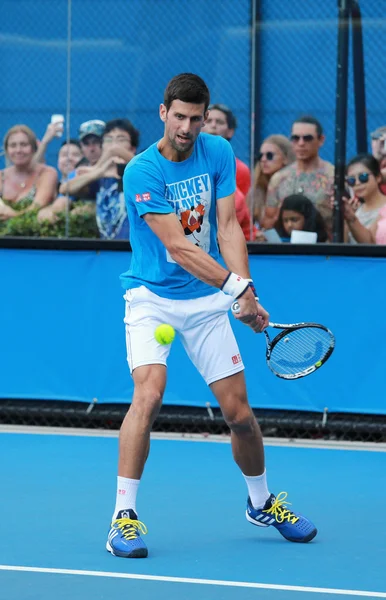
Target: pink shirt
[380, 235]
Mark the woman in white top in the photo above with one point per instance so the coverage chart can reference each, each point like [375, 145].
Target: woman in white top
[363, 177]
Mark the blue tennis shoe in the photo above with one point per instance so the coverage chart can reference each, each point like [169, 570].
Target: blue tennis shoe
[292, 526]
[124, 538]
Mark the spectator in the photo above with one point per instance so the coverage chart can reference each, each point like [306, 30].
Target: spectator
[378, 141]
[221, 121]
[378, 228]
[308, 175]
[244, 216]
[90, 137]
[382, 165]
[69, 155]
[275, 153]
[104, 179]
[297, 213]
[26, 184]
[53, 131]
[361, 211]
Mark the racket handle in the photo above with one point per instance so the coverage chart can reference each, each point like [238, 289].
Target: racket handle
[236, 306]
[236, 309]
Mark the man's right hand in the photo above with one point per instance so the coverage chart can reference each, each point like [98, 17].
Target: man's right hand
[252, 313]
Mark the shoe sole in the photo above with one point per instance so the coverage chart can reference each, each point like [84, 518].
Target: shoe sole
[138, 553]
[304, 540]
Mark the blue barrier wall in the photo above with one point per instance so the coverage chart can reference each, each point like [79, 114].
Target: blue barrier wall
[62, 332]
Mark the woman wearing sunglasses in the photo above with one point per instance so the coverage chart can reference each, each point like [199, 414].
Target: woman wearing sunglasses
[361, 210]
[275, 153]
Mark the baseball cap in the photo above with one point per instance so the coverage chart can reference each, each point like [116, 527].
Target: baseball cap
[93, 127]
[378, 133]
[231, 119]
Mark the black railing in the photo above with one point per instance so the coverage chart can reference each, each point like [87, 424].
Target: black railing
[349, 13]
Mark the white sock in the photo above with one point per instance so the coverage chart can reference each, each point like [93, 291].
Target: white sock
[258, 490]
[126, 494]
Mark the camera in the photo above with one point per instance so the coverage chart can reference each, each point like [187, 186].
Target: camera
[120, 170]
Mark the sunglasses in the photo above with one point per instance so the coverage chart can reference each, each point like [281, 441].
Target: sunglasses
[268, 155]
[306, 138]
[362, 178]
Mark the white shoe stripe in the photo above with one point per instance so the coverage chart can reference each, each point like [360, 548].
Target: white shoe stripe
[267, 518]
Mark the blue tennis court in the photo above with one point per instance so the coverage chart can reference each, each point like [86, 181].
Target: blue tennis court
[57, 498]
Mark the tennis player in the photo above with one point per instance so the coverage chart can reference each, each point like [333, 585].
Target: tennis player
[180, 201]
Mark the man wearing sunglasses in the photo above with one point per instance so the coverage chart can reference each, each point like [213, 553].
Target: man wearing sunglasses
[309, 175]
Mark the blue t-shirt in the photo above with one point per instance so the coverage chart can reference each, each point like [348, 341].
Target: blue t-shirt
[191, 188]
[111, 214]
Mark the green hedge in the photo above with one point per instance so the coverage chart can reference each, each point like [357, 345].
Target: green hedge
[79, 225]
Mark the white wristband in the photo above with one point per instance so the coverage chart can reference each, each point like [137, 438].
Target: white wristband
[234, 285]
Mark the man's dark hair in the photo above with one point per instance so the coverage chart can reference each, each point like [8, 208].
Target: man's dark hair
[187, 87]
[125, 125]
[73, 141]
[310, 121]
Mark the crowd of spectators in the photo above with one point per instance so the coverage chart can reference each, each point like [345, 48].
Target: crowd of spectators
[290, 190]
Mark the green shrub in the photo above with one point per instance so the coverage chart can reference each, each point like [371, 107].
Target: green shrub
[80, 224]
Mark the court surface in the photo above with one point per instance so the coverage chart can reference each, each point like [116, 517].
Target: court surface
[58, 493]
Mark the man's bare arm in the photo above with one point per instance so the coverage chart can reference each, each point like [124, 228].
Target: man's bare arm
[190, 257]
[231, 238]
[197, 262]
[81, 182]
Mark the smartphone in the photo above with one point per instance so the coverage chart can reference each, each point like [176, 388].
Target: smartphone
[121, 169]
[59, 119]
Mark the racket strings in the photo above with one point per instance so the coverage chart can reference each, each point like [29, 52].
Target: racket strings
[300, 349]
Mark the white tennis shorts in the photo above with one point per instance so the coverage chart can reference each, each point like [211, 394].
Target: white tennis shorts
[202, 325]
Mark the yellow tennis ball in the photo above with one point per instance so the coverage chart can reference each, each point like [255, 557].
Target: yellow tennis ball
[164, 334]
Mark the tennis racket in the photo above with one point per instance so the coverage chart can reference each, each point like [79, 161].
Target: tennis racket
[298, 350]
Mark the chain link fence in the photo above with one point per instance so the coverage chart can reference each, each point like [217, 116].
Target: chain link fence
[108, 59]
[192, 420]
[298, 55]
[112, 59]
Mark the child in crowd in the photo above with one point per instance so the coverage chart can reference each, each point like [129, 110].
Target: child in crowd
[298, 213]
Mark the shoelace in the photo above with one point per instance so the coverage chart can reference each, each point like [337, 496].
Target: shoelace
[279, 511]
[130, 528]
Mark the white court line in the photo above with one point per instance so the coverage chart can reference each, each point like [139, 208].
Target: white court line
[196, 437]
[219, 582]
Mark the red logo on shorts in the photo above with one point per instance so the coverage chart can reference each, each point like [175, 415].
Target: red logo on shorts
[146, 196]
[236, 359]
[138, 198]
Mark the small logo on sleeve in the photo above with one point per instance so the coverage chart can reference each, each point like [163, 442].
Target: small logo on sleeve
[236, 359]
[143, 197]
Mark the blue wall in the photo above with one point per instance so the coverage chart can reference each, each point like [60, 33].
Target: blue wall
[62, 332]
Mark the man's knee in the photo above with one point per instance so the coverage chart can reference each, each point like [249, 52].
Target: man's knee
[241, 420]
[147, 401]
